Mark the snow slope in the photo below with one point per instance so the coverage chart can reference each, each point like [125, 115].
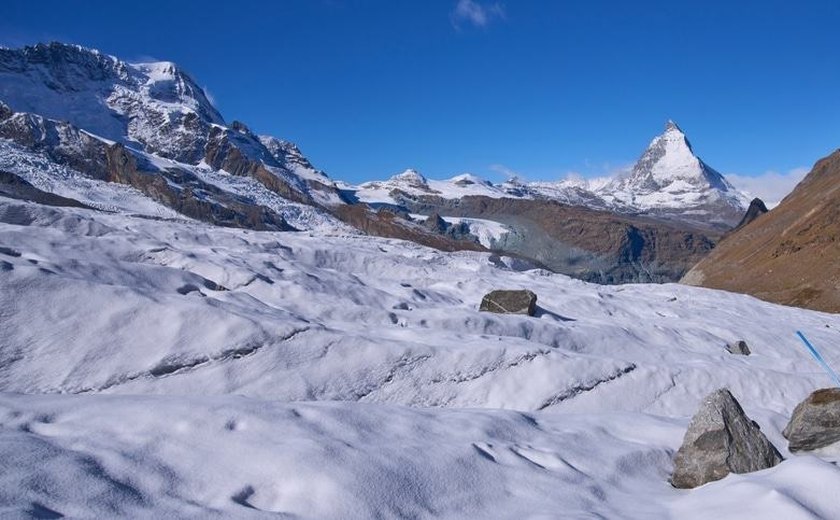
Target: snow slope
[436, 410]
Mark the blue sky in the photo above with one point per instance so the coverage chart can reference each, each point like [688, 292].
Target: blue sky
[541, 88]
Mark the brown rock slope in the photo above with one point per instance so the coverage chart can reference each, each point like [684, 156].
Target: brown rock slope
[790, 255]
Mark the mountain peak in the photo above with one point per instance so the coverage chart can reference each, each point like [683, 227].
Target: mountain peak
[411, 177]
[670, 159]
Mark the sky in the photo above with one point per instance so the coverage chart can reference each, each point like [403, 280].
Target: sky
[540, 89]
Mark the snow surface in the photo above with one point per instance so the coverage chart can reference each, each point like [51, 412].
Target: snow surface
[366, 383]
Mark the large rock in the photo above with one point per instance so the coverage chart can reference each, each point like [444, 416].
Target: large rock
[721, 439]
[510, 302]
[815, 422]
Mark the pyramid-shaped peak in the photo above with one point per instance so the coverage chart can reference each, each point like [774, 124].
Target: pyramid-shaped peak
[672, 126]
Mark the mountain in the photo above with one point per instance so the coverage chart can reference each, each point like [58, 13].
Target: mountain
[668, 182]
[791, 254]
[100, 125]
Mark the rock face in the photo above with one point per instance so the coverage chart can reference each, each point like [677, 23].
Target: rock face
[510, 302]
[815, 422]
[596, 246]
[739, 348]
[756, 209]
[720, 440]
[791, 255]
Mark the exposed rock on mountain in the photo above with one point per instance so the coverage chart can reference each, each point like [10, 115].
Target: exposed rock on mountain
[791, 255]
[815, 422]
[720, 440]
[756, 209]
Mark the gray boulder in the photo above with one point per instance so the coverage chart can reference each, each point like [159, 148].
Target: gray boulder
[815, 422]
[739, 348]
[510, 302]
[720, 440]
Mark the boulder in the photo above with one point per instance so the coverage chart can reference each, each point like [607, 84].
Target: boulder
[510, 302]
[815, 422]
[721, 439]
[739, 348]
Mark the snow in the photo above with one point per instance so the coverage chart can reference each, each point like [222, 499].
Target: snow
[231, 373]
[487, 231]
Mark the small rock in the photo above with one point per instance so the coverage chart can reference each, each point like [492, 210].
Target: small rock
[510, 302]
[815, 422]
[721, 439]
[739, 348]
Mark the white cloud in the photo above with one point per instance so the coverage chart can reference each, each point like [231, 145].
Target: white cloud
[476, 13]
[771, 186]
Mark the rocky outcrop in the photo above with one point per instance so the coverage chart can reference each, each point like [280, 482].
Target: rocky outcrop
[510, 302]
[5, 111]
[720, 440]
[739, 348]
[388, 224]
[791, 255]
[815, 422]
[182, 191]
[435, 224]
[756, 209]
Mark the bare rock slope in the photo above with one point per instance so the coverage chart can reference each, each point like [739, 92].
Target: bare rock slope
[790, 255]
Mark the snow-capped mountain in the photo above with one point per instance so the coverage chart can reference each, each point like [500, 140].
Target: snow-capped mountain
[79, 108]
[156, 105]
[668, 181]
[669, 178]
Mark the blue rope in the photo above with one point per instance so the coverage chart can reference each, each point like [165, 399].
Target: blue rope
[814, 352]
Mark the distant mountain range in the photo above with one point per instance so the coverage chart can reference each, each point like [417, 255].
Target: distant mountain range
[144, 138]
[669, 181]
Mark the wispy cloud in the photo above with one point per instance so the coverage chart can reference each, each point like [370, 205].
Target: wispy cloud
[771, 186]
[209, 95]
[476, 13]
[506, 172]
